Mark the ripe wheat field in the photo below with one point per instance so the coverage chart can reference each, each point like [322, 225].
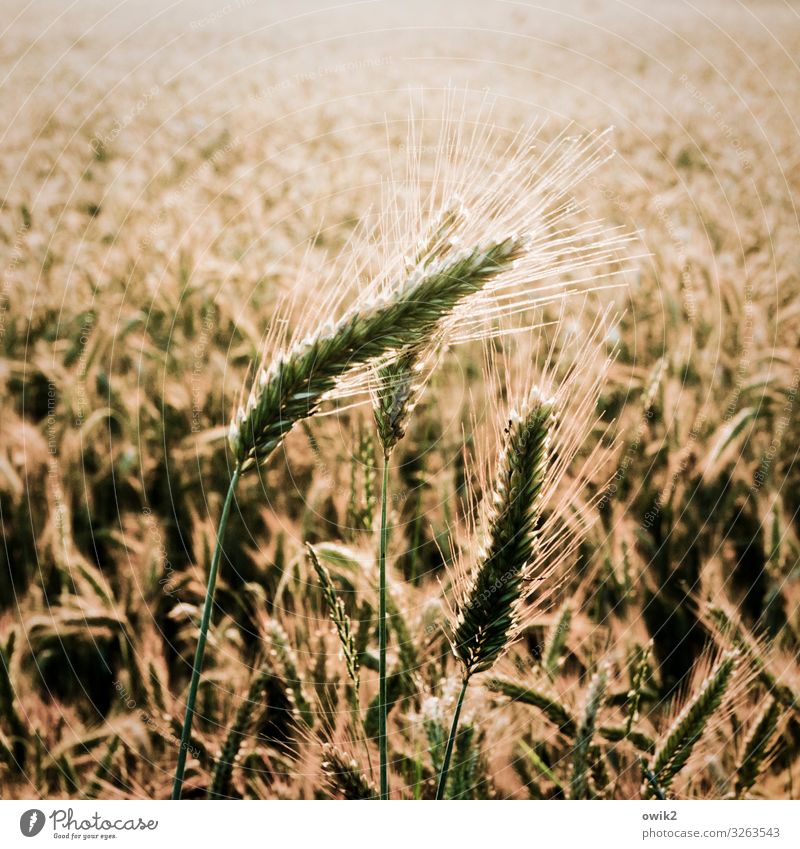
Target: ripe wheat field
[485, 316]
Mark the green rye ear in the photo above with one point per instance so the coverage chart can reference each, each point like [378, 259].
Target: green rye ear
[487, 615]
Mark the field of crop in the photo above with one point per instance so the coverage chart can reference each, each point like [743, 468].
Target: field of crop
[592, 504]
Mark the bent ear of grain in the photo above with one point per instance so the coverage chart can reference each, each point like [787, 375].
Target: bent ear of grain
[344, 777]
[339, 618]
[534, 511]
[488, 611]
[758, 746]
[294, 385]
[454, 257]
[530, 195]
[676, 744]
[579, 784]
[237, 734]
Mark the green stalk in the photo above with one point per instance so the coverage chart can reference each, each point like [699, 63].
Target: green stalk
[448, 752]
[208, 604]
[383, 742]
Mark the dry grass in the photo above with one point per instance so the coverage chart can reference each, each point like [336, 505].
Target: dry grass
[165, 189]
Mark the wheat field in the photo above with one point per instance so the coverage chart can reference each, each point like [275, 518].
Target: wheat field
[590, 512]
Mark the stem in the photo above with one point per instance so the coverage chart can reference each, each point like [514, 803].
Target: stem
[448, 752]
[383, 742]
[205, 620]
[356, 708]
[655, 786]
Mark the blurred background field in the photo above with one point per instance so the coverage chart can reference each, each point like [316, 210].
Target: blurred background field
[166, 174]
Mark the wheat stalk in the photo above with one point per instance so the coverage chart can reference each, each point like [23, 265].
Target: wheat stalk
[585, 733]
[522, 552]
[339, 618]
[383, 691]
[470, 270]
[296, 383]
[392, 409]
[548, 705]
[635, 693]
[223, 770]
[675, 746]
[757, 746]
[344, 776]
[488, 616]
[555, 642]
[759, 653]
[534, 203]
[399, 385]
[616, 733]
[205, 621]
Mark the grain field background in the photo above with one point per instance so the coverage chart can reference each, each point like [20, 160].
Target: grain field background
[169, 174]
